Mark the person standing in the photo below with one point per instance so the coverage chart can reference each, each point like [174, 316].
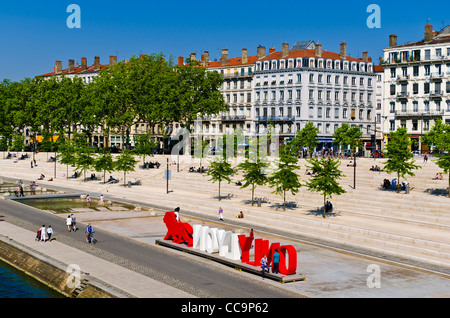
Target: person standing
[220, 214]
[88, 201]
[49, 233]
[275, 262]
[177, 213]
[264, 265]
[43, 233]
[69, 223]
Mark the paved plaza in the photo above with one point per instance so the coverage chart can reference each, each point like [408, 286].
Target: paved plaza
[367, 221]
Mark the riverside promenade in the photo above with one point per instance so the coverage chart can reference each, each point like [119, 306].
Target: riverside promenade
[412, 229]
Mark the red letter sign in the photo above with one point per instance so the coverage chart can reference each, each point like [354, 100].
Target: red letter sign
[179, 232]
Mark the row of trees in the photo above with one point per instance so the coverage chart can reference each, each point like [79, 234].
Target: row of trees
[325, 179]
[283, 177]
[149, 89]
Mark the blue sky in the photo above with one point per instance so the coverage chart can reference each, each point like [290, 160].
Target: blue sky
[34, 34]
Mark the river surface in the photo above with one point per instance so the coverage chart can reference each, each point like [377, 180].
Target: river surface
[16, 284]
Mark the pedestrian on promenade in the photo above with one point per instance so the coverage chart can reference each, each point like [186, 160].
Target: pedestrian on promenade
[49, 233]
[425, 158]
[31, 164]
[275, 262]
[21, 191]
[69, 223]
[89, 233]
[264, 265]
[177, 213]
[73, 222]
[102, 198]
[88, 201]
[220, 214]
[43, 233]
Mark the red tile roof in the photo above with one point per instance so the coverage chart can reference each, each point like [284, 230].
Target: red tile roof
[76, 70]
[308, 53]
[234, 61]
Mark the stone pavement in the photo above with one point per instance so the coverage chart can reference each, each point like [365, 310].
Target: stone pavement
[120, 278]
[387, 224]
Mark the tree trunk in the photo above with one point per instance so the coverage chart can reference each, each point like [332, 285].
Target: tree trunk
[324, 205]
[284, 200]
[253, 195]
[448, 189]
[219, 190]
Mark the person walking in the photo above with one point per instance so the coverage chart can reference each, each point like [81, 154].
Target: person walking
[69, 223]
[220, 214]
[89, 233]
[73, 222]
[43, 233]
[275, 262]
[264, 265]
[88, 201]
[49, 233]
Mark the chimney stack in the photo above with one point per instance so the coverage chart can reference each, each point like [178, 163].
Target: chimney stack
[285, 50]
[428, 32]
[261, 52]
[392, 40]
[112, 60]
[58, 67]
[71, 66]
[224, 58]
[343, 53]
[83, 64]
[180, 61]
[318, 50]
[97, 63]
[244, 56]
[206, 58]
[193, 56]
[366, 56]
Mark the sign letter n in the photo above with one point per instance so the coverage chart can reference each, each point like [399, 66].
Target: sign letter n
[74, 20]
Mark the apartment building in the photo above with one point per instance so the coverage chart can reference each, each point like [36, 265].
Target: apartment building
[237, 88]
[417, 84]
[307, 84]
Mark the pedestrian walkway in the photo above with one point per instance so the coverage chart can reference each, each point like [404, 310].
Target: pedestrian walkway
[413, 226]
[124, 281]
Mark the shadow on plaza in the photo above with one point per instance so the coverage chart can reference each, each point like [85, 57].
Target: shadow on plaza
[319, 212]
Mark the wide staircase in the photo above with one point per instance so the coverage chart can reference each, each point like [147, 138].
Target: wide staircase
[413, 226]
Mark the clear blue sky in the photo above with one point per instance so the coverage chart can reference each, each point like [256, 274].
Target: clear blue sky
[34, 34]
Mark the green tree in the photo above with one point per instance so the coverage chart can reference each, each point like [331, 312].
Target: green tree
[285, 177]
[400, 158]
[306, 138]
[104, 162]
[125, 162]
[66, 153]
[220, 170]
[439, 138]
[84, 154]
[253, 174]
[325, 179]
[144, 145]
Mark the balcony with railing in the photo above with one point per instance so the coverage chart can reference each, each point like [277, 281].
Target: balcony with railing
[234, 118]
[412, 113]
[276, 118]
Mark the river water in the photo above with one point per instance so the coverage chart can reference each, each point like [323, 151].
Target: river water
[16, 284]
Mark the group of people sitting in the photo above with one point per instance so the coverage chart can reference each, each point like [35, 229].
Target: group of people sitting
[200, 170]
[149, 165]
[328, 207]
[376, 168]
[438, 176]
